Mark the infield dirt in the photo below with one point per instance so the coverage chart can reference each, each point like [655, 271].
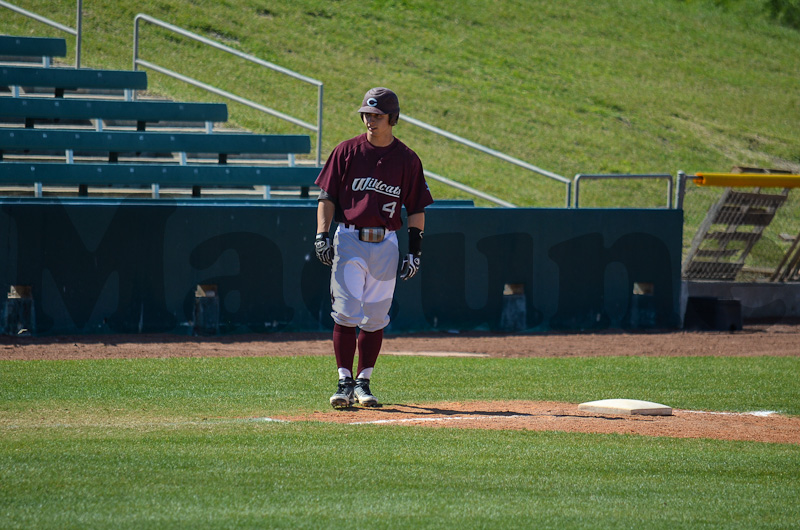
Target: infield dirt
[782, 339]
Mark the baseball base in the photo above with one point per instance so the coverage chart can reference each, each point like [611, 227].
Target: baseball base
[626, 406]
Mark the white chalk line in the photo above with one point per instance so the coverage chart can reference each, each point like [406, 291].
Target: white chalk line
[243, 420]
[134, 425]
[444, 418]
[760, 413]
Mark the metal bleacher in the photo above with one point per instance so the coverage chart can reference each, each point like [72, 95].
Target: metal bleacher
[141, 112]
[65, 127]
[61, 79]
[13, 48]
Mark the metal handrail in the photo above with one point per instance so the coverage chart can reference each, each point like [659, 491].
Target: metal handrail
[467, 189]
[272, 112]
[670, 182]
[492, 152]
[77, 32]
[680, 191]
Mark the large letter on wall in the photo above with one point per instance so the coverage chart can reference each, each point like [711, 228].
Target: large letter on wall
[89, 267]
[453, 270]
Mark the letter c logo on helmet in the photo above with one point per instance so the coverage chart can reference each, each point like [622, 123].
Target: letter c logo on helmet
[372, 102]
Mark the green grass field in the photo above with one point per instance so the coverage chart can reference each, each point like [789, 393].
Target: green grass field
[607, 86]
[176, 443]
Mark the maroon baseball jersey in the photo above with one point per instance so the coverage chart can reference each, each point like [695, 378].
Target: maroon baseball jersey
[369, 184]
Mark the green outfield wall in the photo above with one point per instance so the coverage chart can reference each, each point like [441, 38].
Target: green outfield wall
[85, 266]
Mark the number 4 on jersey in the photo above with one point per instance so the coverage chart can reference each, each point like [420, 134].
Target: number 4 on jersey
[389, 208]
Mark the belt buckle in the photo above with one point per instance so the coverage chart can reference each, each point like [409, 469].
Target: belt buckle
[372, 235]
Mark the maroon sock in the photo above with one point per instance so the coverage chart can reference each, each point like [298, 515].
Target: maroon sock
[344, 346]
[369, 346]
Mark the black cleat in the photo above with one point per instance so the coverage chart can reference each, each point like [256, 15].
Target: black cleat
[343, 397]
[363, 394]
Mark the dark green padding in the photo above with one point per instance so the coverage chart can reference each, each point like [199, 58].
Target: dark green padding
[133, 266]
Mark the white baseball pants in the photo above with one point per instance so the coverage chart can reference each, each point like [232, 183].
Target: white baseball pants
[363, 279]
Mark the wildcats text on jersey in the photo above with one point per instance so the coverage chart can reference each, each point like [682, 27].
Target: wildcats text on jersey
[373, 184]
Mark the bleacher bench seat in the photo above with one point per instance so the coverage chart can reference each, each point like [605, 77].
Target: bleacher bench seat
[141, 112]
[61, 79]
[11, 45]
[152, 141]
[141, 175]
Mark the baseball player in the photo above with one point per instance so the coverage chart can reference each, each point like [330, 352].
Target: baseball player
[364, 185]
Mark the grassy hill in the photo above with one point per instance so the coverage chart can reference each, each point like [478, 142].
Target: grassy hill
[571, 86]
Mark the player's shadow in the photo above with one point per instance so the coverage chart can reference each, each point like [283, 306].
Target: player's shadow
[604, 417]
[436, 411]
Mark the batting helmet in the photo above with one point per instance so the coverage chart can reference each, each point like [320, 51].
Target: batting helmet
[380, 100]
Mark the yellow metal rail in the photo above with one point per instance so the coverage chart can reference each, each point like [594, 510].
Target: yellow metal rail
[747, 180]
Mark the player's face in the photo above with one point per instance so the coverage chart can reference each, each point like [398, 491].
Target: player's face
[377, 124]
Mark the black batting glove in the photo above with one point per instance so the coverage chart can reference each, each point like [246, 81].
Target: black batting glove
[412, 260]
[410, 267]
[324, 249]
